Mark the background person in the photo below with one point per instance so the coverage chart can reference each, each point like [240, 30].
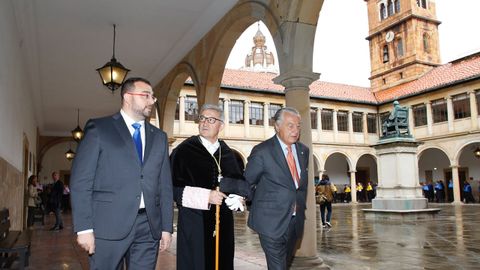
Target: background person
[56, 201]
[33, 198]
[325, 189]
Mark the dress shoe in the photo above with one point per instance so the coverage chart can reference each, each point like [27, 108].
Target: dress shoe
[56, 228]
[328, 224]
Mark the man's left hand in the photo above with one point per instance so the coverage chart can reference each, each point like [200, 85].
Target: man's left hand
[165, 241]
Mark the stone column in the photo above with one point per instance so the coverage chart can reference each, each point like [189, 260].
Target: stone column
[265, 119]
[319, 124]
[411, 124]
[365, 128]
[428, 105]
[450, 115]
[226, 117]
[335, 125]
[350, 126]
[246, 118]
[456, 185]
[353, 185]
[473, 110]
[181, 114]
[296, 83]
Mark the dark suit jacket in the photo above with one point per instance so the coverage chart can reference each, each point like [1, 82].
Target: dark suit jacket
[107, 180]
[56, 195]
[274, 190]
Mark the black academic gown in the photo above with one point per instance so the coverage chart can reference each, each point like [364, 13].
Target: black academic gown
[192, 165]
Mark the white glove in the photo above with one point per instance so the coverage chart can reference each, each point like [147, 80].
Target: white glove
[235, 202]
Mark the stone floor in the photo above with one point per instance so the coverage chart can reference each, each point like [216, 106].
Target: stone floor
[450, 241]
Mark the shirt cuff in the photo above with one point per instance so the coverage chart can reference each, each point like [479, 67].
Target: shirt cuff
[195, 197]
[85, 231]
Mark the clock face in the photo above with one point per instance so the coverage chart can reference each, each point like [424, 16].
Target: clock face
[389, 36]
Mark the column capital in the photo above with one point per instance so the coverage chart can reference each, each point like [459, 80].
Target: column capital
[352, 171]
[470, 92]
[448, 97]
[454, 166]
[266, 103]
[247, 102]
[226, 100]
[182, 95]
[296, 79]
[428, 102]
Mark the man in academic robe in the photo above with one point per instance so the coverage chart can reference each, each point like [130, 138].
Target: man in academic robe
[198, 164]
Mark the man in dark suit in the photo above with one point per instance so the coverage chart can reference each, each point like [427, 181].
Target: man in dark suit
[277, 171]
[121, 187]
[56, 201]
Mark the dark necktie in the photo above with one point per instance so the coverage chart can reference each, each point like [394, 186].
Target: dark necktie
[137, 138]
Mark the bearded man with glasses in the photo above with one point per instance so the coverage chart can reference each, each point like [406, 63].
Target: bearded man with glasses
[199, 165]
[121, 185]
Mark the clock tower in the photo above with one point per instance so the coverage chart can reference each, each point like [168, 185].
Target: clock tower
[403, 39]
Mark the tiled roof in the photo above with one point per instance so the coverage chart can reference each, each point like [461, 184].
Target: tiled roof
[455, 71]
[263, 82]
[442, 76]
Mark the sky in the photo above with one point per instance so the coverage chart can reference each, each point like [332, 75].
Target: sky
[341, 53]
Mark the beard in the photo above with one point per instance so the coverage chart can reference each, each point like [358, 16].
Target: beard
[143, 112]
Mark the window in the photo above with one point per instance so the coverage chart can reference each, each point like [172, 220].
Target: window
[426, 42]
[357, 121]
[477, 95]
[235, 111]
[439, 110]
[220, 103]
[422, 3]
[272, 109]
[327, 119]
[461, 106]
[342, 121]
[177, 110]
[313, 117]
[390, 8]
[191, 108]
[372, 123]
[419, 115]
[383, 12]
[397, 6]
[385, 54]
[256, 113]
[399, 47]
[383, 117]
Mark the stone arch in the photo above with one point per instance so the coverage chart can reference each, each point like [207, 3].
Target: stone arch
[347, 157]
[433, 161]
[234, 24]
[167, 100]
[47, 146]
[459, 151]
[240, 157]
[422, 150]
[363, 174]
[337, 172]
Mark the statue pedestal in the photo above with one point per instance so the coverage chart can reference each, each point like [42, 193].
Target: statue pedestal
[399, 194]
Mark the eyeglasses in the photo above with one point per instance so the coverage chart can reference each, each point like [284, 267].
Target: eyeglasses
[145, 95]
[210, 120]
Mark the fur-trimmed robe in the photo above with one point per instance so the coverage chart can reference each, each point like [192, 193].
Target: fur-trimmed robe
[192, 165]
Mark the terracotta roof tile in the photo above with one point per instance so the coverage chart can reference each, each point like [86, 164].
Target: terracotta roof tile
[263, 82]
[455, 71]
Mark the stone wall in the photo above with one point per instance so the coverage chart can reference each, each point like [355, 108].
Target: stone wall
[12, 193]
